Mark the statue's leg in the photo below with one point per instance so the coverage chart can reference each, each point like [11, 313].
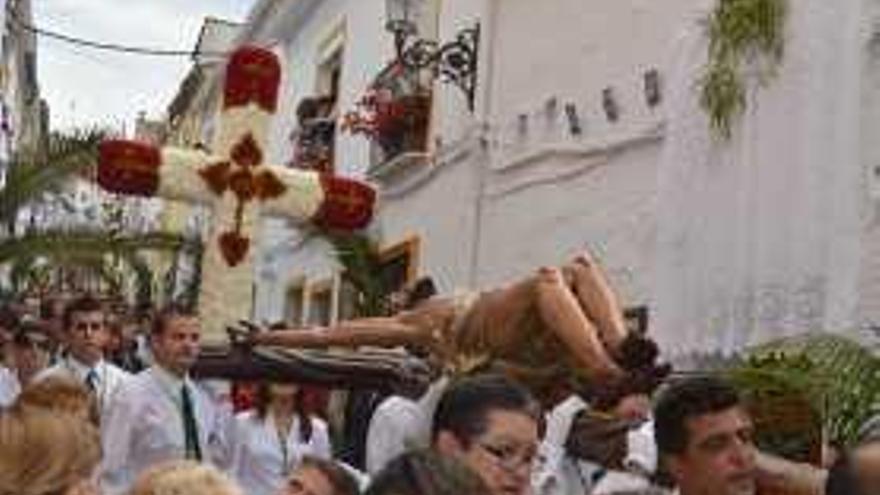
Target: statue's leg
[598, 299]
[563, 315]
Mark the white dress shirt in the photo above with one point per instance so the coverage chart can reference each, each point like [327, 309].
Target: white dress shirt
[399, 425]
[262, 461]
[555, 472]
[144, 426]
[9, 387]
[395, 428]
[108, 378]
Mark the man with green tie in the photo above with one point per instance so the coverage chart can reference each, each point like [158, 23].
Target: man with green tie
[161, 414]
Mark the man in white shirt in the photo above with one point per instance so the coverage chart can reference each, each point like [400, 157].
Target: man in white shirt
[85, 330]
[9, 387]
[161, 414]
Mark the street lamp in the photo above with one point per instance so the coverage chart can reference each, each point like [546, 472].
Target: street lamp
[454, 61]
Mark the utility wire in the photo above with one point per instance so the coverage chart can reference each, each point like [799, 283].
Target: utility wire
[98, 45]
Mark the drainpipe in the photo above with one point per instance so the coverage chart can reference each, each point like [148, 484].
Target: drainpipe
[487, 40]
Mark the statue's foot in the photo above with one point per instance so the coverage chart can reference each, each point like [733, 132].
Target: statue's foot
[551, 275]
[585, 259]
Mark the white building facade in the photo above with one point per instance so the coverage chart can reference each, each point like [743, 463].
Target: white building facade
[586, 134]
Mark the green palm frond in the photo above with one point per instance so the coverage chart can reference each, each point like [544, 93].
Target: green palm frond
[85, 243]
[33, 173]
[359, 256]
[94, 250]
[839, 378]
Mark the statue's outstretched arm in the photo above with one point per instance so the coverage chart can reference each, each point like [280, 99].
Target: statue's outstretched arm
[379, 332]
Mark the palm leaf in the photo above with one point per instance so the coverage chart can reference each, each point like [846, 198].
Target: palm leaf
[839, 378]
[33, 173]
[91, 249]
[358, 255]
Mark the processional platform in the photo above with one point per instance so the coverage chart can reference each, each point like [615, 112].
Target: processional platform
[337, 368]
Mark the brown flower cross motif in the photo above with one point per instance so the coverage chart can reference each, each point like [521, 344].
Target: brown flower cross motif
[240, 176]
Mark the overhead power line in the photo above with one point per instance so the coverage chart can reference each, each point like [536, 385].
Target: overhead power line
[99, 45]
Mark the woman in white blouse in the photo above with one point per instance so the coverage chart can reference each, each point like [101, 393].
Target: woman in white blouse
[272, 438]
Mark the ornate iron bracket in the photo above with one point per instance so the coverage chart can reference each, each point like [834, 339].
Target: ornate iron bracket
[454, 62]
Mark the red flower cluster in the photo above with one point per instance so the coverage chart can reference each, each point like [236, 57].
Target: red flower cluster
[377, 113]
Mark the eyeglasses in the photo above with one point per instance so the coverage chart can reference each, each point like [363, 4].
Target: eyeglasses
[509, 457]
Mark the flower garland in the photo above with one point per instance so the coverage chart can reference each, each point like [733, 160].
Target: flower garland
[740, 32]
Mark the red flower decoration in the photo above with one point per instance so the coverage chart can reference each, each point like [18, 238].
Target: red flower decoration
[128, 167]
[242, 184]
[268, 186]
[347, 205]
[246, 153]
[216, 176]
[252, 76]
[234, 247]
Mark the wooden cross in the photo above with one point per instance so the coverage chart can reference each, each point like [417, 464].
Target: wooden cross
[238, 184]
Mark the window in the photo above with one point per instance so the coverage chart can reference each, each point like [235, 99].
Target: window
[399, 264]
[293, 307]
[329, 76]
[320, 303]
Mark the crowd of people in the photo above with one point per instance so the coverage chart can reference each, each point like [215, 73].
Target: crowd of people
[95, 402]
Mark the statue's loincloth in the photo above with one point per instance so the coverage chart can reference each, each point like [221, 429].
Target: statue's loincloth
[483, 334]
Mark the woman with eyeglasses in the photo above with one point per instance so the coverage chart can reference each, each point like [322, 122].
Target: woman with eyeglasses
[273, 438]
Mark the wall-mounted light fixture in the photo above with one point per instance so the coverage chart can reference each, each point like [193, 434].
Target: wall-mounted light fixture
[454, 61]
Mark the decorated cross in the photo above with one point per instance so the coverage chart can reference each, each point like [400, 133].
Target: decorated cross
[235, 180]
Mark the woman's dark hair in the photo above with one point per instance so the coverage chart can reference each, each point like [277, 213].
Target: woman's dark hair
[426, 473]
[264, 397]
[465, 405]
[342, 481]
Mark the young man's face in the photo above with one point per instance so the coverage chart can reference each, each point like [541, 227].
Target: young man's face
[719, 458]
[503, 455]
[87, 336]
[307, 481]
[177, 346]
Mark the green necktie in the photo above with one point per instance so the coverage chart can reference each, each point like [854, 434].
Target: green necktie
[190, 427]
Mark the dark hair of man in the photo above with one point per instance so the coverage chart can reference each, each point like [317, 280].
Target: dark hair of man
[426, 473]
[164, 317]
[342, 481]
[688, 399]
[82, 304]
[464, 407]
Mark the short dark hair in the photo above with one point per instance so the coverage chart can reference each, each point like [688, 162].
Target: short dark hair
[168, 313]
[83, 304]
[687, 399]
[342, 481]
[426, 473]
[465, 406]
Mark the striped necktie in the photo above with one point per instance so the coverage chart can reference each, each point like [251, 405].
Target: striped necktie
[91, 381]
